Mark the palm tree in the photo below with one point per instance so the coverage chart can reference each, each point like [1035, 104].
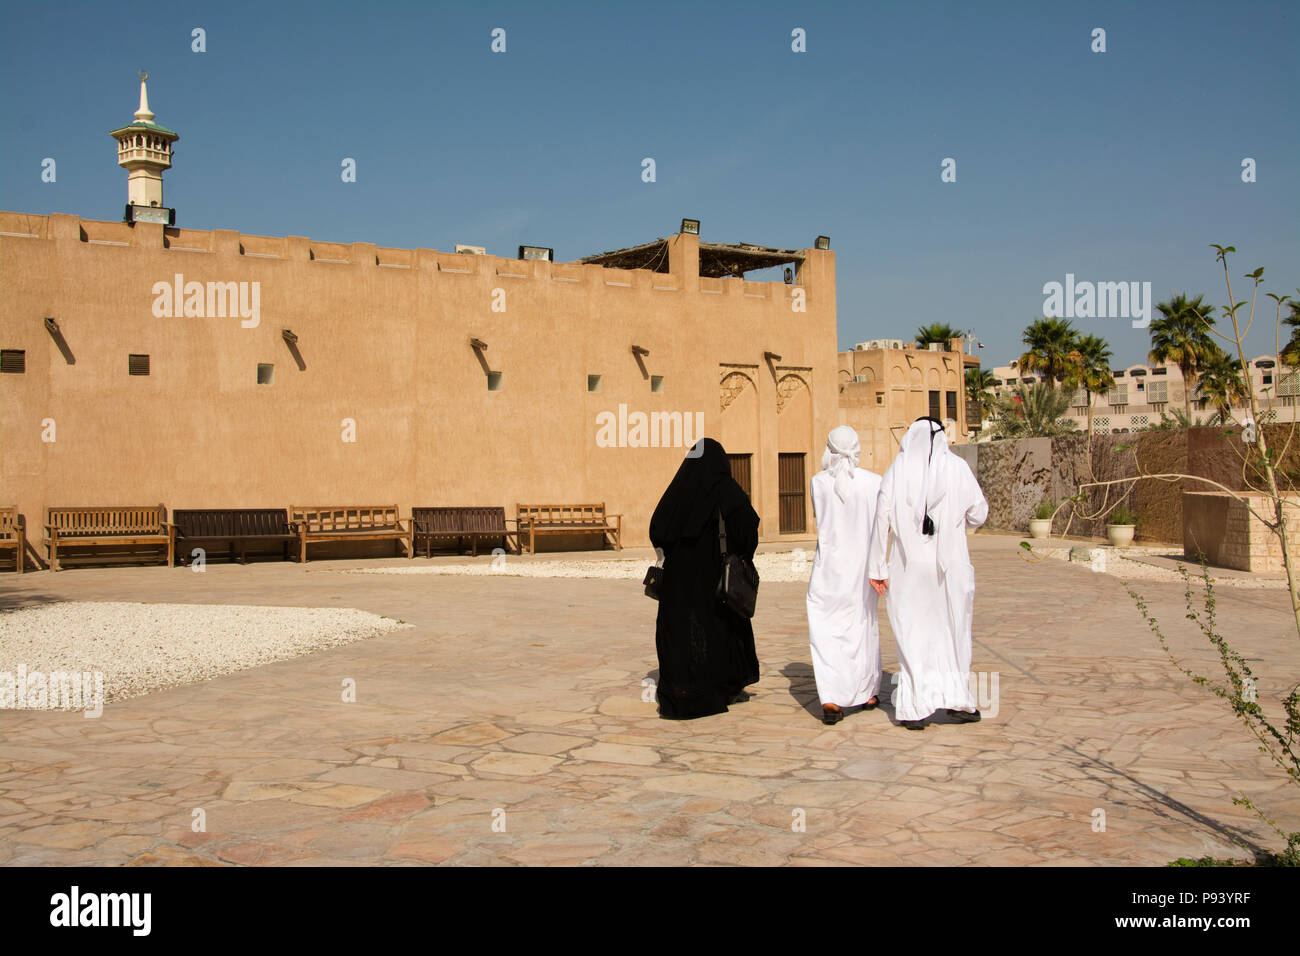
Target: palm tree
[1223, 384]
[1091, 368]
[979, 389]
[1290, 353]
[1033, 411]
[939, 332]
[1181, 337]
[1049, 343]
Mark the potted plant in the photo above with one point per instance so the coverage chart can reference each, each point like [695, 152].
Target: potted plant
[1040, 525]
[1120, 526]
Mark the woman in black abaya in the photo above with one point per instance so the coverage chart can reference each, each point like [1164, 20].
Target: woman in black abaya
[706, 650]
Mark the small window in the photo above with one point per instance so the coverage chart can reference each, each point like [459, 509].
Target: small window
[934, 404]
[593, 383]
[137, 364]
[265, 373]
[950, 404]
[656, 383]
[13, 360]
[494, 381]
[1160, 371]
[1268, 379]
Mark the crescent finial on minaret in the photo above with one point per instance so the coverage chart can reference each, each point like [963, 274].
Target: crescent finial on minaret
[144, 113]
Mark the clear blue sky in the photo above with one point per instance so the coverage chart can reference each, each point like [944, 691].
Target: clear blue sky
[1123, 165]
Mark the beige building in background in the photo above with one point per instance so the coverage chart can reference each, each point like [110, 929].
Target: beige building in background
[887, 384]
[292, 371]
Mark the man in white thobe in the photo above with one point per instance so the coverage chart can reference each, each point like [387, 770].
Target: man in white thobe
[928, 499]
[842, 625]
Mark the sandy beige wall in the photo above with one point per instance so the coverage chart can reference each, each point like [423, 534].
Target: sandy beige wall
[384, 337]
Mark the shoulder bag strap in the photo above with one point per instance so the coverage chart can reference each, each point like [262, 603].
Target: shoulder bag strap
[722, 533]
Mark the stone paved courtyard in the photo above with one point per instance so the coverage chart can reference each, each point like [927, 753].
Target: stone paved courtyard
[516, 704]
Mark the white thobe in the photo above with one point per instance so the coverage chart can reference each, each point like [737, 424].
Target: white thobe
[842, 626]
[931, 594]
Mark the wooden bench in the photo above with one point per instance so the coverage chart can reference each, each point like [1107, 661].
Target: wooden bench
[13, 534]
[351, 523]
[89, 527]
[430, 524]
[567, 519]
[231, 529]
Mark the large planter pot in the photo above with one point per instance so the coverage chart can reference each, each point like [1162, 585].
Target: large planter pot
[1040, 527]
[1120, 535]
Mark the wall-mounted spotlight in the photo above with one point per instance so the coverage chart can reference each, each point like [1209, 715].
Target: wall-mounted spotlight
[638, 350]
[290, 339]
[822, 242]
[691, 227]
[478, 344]
[789, 276]
[537, 252]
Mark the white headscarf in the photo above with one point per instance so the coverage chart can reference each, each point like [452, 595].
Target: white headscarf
[841, 458]
[922, 469]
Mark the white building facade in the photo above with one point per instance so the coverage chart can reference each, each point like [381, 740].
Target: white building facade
[1143, 394]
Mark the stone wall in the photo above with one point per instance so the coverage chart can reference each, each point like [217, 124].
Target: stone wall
[1223, 529]
[1017, 474]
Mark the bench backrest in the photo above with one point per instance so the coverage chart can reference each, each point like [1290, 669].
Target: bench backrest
[230, 522]
[99, 522]
[563, 514]
[353, 518]
[10, 522]
[451, 520]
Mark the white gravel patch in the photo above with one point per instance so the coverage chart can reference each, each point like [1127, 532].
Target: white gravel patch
[772, 566]
[143, 647]
[796, 565]
[1121, 564]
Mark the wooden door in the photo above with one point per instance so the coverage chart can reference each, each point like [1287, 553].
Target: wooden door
[790, 475]
[740, 470]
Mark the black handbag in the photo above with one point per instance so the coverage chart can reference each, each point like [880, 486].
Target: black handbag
[654, 579]
[738, 585]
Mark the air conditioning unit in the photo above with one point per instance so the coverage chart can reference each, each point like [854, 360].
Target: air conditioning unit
[471, 250]
[872, 344]
[859, 378]
[895, 343]
[936, 346]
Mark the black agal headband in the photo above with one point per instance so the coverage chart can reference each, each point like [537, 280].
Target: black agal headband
[927, 524]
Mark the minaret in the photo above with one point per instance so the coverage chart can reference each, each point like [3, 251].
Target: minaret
[144, 149]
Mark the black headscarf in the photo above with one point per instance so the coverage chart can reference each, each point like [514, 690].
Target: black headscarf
[692, 499]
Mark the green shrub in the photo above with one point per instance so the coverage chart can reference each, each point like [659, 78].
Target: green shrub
[1121, 515]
